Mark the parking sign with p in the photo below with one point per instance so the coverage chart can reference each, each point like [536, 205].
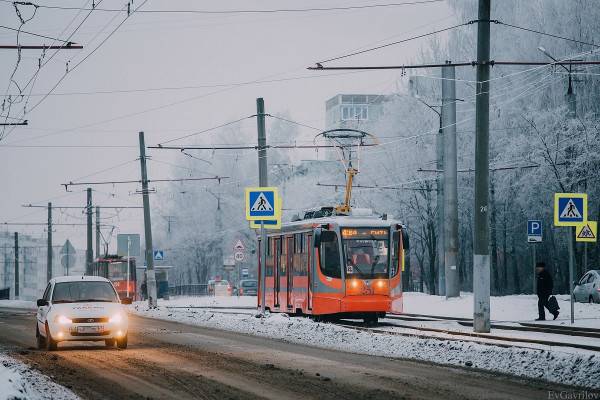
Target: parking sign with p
[534, 230]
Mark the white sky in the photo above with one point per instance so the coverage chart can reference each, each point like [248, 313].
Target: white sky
[173, 50]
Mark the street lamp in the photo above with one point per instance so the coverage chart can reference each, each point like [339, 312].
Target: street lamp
[571, 100]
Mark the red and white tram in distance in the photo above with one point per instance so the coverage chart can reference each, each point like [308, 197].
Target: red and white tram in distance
[335, 266]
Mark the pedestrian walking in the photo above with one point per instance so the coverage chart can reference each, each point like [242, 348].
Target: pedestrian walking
[544, 291]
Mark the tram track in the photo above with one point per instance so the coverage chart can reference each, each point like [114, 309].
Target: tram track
[462, 336]
[519, 326]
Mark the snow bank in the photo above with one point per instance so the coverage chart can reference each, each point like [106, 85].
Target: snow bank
[514, 308]
[550, 364]
[211, 301]
[18, 381]
[30, 305]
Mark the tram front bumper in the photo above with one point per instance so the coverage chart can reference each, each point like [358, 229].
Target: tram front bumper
[366, 303]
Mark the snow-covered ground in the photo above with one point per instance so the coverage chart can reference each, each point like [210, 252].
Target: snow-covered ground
[25, 304]
[551, 363]
[521, 308]
[18, 381]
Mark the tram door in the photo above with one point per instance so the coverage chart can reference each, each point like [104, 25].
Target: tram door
[290, 270]
[276, 269]
[309, 252]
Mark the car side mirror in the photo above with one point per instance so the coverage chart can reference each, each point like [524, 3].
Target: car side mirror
[126, 300]
[42, 302]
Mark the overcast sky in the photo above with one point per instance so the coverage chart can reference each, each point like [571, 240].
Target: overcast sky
[169, 50]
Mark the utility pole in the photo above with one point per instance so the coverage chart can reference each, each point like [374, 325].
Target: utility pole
[450, 182]
[49, 256]
[262, 182]
[150, 274]
[439, 146]
[481, 231]
[89, 255]
[16, 265]
[98, 231]
[439, 149]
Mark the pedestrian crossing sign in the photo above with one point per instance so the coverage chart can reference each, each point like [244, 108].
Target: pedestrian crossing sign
[587, 232]
[570, 209]
[255, 224]
[261, 204]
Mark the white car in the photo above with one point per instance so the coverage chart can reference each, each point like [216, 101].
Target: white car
[588, 287]
[81, 308]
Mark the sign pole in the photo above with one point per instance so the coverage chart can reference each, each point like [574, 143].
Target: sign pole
[263, 266]
[571, 262]
[534, 277]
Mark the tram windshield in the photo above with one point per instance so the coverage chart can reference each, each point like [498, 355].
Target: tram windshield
[366, 252]
[118, 271]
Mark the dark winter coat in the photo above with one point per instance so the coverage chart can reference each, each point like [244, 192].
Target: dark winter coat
[544, 283]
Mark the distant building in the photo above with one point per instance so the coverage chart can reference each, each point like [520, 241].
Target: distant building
[33, 258]
[353, 110]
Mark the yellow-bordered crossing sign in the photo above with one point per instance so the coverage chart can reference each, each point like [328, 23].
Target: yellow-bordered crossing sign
[587, 232]
[269, 224]
[570, 209]
[261, 204]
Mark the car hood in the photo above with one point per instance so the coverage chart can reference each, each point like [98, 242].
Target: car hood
[89, 310]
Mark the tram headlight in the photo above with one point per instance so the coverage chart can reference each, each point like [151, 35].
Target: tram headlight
[381, 284]
[354, 283]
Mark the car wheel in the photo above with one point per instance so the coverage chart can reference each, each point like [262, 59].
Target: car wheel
[110, 342]
[41, 343]
[122, 343]
[51, 344]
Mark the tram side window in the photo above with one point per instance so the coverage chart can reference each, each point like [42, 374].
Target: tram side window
[396, 252]
[330, 255]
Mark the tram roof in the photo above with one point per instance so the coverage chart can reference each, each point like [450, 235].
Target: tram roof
[340, 220]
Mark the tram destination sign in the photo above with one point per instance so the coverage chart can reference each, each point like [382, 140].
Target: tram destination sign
[365, 233]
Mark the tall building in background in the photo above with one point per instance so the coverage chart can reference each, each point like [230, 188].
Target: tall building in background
[353, 110]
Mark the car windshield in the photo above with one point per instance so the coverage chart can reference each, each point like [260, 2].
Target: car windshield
[249, 284]
[84, 291]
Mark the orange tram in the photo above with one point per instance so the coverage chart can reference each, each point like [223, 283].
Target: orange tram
[335, 266]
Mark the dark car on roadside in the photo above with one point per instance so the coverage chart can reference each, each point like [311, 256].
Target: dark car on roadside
[248, 287]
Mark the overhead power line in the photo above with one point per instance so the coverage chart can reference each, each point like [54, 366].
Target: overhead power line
[66, 185]
[393, 43]
[545, 33]
[453, 64]
[248, 11]
[35, 34]
[256, 147]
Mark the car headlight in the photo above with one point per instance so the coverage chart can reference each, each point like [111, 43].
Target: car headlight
[116, 319]
[61, 319]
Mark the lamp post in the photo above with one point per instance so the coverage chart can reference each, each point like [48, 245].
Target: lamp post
[570, 96]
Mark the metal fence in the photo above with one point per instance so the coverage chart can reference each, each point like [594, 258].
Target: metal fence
[189, 290]
[5, 294]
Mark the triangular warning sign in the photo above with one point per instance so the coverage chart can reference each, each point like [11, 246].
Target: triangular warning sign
[586, 233]
[570, 210]
[261, 204]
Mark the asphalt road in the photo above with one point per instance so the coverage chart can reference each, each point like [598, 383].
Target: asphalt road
[167, 360]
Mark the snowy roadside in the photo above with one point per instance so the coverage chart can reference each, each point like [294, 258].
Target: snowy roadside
[24, 304]
[18, 381]
[514, 308]
[546, 363]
